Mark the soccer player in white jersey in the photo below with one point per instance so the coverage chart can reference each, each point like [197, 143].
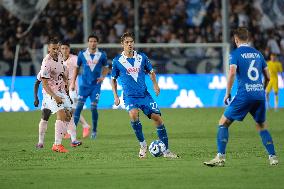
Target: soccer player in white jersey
[70, 62]
[54, 80]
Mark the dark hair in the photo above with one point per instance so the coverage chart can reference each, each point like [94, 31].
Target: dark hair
[126, 34]
[65, 43]
[242, 33]
[53, 41]
[93, 36]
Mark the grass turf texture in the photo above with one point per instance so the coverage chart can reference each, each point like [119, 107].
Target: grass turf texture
[111, 161]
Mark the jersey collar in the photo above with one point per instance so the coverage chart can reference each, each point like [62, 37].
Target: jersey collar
[125, 57]
[88, 52]
[244, 45]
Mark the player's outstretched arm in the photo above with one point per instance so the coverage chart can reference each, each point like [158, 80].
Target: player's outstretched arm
[36, 85]
[266, 77]
[74, 77]
[155, 84]
[231, 78]
[114, 91]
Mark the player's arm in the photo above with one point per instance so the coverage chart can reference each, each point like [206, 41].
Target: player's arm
[76, 72]
[103, 75]
[114, 91]
[49, 91]
[148, 68]
[231, 79]
[155, 84]
[266, 77]
[73, 80]
[105, 69]
[114, 76]
[36, 85]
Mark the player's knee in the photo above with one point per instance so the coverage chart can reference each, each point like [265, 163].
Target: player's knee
[134, 115]
[276, 93]
[45, 114]
[61, 115]
[261, 126]
[225, 121]
[157, 119]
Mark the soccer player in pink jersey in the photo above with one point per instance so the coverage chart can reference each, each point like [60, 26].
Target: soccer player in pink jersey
[54, 81]
[70, 61]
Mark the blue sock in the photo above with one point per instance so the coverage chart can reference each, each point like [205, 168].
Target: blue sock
[267, 141]
[222, 138]
[162, 134]
[95, 117]
[137, 127]
[77, 112]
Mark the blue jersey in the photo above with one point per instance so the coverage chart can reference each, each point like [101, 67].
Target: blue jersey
[250, 65]
[132, 73]
[92, 66]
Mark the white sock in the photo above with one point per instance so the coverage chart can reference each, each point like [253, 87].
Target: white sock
[71, 129]
[59, 131]
[143, 144]
[42, 127]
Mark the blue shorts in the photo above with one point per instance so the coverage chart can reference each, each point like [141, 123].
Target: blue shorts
[239, 108]
[146, 104]
[93, 92]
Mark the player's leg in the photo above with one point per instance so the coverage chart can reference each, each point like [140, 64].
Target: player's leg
[259, 114]
[137, 127]
[60, 129]
[71, 129]
[222, 140]
[85, 125]
[151, 109]
[95, 95]
[42, 127]
[275, 89]
[84, 92]
[267, 91]
[237, 110]
[162, 134]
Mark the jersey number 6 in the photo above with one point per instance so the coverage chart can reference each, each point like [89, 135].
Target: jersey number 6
[253, 69]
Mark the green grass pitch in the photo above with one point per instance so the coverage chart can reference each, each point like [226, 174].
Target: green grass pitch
[111, 161]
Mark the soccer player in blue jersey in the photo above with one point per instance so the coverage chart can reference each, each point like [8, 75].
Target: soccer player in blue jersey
[249, 66]
[131, 67]
[95, 69]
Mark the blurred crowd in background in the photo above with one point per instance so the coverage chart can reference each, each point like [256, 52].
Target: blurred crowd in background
[160, 21]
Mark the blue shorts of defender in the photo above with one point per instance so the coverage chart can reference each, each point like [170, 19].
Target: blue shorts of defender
[238, 109]
[146, 104]
[93, 92]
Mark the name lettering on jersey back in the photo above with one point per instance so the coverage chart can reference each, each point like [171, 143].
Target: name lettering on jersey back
[250, 55]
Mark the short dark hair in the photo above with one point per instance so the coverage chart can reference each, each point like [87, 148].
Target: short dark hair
[242, 33]
[126, 34]
[65, 43]
[93, 36]
[53, 41]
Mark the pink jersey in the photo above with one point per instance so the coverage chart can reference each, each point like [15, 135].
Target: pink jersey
[53, 71]
[71, 64]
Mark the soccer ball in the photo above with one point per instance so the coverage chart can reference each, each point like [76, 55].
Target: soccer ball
[157, 148]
